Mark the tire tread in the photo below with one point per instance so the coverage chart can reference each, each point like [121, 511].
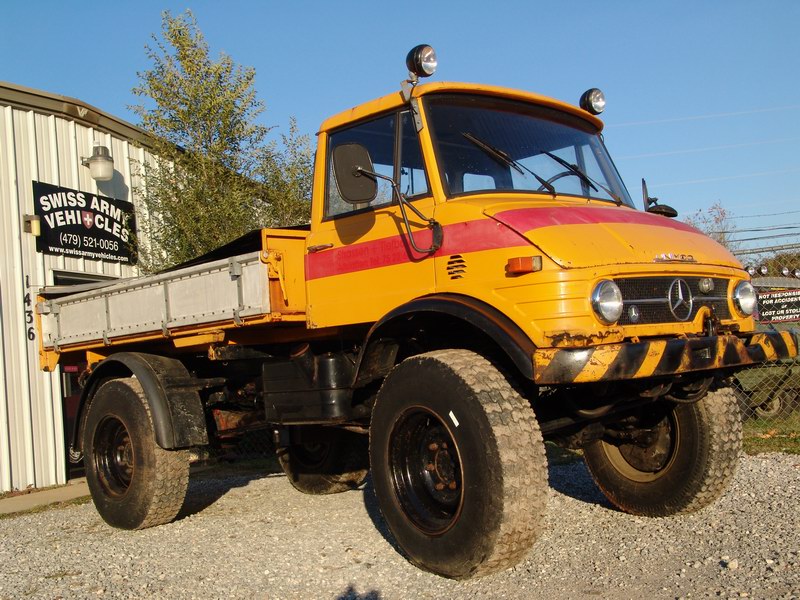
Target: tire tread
[521, 449]
[171, 476]
[720, 424]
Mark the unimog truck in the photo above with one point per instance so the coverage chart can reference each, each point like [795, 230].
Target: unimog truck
[475, 280]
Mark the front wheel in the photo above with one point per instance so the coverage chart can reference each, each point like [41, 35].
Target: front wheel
[458, 464]
[134, 483]
[681, 463]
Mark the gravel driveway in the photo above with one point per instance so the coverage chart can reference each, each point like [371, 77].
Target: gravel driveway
[248, 535]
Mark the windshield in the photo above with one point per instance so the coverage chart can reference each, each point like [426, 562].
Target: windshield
[486, 144]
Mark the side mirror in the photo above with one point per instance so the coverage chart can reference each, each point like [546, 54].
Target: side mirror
[349, 162]
[651, 204]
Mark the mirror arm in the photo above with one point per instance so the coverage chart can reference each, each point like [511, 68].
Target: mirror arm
[403, 202]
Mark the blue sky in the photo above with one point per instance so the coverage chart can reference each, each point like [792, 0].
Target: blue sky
[703, 97]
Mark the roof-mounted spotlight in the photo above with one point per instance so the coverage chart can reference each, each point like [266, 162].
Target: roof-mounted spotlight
[421, 61]
[763, 270]
[751, 270]
[593, 101]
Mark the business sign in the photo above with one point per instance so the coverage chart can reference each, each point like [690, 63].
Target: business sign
[779, 306]
[84, 225]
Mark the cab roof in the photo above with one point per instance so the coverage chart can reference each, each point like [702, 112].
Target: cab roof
[395, 100]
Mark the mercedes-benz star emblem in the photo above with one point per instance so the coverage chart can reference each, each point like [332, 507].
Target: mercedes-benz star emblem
[680, 299]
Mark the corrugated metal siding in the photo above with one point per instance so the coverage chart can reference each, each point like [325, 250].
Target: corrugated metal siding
[8, 183]
[41, 147]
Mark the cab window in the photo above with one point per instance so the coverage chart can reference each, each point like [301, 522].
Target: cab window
[379, 137]
[413, 179]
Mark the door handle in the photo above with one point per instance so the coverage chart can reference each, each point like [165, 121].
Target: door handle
[319, 247]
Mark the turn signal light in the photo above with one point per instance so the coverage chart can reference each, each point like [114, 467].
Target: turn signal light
[523, 264]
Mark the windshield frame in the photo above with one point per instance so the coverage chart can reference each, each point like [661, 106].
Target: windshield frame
[611, 176]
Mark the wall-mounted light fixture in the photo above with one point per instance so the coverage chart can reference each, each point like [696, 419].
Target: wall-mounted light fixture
[100, 163]
[32, 224]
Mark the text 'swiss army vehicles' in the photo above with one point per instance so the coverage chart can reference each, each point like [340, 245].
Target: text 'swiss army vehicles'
[475, 279]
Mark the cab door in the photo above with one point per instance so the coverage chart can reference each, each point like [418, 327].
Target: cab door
[359, 262]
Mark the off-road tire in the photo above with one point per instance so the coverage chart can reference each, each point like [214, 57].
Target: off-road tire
[449, 418]
[778, 406]
[706, 440]
[134, 483]
[338, 465]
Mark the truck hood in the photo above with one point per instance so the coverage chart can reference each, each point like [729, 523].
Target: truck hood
[590, 235]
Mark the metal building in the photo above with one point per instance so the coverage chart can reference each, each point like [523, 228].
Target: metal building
[45, 140]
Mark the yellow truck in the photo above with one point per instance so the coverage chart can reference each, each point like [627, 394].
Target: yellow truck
[475, 280]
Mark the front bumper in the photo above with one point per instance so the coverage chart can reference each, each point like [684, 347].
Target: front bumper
[660, 358]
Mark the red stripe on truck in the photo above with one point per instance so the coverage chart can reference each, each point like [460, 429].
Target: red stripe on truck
[470, 236]
[473, 236]
[528, 219]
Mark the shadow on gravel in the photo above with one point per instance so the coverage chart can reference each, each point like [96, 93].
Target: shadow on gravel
[374, 512]
[572, 479]
[209, 484]
[351, 594]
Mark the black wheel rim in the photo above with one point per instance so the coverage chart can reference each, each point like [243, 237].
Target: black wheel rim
[113, 456]
[425, 467]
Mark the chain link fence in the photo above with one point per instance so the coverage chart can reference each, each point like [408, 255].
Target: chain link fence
[769, 394]
[253, 445]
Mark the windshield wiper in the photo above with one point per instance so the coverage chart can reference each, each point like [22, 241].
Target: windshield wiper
[503, 158]
[583, 176]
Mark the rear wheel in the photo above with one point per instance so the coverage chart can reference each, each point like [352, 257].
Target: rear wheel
[458, 464]
[337, 462]
[134, 483]
[682, 463]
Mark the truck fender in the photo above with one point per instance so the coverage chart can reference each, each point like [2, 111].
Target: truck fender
[175, 406]
[378, 355]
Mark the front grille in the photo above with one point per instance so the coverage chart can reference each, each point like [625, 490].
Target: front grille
[650, 297]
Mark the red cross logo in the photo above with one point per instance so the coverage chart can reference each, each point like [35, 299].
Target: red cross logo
[88, 219]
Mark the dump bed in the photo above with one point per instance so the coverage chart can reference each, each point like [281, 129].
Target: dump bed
[254, 280]
[229, 289]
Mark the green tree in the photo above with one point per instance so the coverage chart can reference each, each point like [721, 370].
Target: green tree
[287, 173]
[716, 222]
[209, 181]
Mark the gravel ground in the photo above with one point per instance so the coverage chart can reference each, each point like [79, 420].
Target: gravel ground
[247, 535]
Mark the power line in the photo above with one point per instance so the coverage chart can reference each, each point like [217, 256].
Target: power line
[712, 179]
[701, 117]
[765, 237]
[755, 229]
[788, 212]
[767, 249]
[706, 149]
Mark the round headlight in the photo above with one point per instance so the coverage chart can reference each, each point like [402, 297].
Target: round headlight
[744, 297]
[421, 61]
[607, 301]
[594, 101]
